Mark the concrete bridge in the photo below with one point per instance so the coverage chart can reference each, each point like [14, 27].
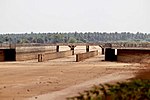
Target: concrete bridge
[102, 45]
[113, 51]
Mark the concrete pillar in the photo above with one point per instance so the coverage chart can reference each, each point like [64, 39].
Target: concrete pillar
[57, 48]
[72, 48]
[40, 57]
[87, 48]
[77, 57]
[110, 55]
[103, 51]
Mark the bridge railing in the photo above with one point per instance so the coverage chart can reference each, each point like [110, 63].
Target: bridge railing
[5, 45]
[103, 45]
[130, 45]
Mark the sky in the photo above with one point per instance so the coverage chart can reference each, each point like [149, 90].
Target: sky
[17, 16]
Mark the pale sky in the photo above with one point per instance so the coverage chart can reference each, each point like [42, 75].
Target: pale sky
[74, 15]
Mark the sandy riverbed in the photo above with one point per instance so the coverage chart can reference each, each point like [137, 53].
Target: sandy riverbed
[49, 80]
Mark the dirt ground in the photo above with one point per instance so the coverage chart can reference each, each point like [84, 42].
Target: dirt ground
[59, 78]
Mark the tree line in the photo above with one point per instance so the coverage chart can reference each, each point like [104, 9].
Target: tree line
[74, 37]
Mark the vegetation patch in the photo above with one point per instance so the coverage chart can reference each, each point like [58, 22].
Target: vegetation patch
[73, 37]
[137, 89]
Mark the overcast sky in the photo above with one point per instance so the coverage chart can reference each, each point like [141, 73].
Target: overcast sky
[74, 15]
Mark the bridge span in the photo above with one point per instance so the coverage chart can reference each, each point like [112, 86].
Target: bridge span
[113, 51]
[103, 45]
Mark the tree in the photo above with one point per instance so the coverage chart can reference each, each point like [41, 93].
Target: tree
[40, 40]
[72, 40]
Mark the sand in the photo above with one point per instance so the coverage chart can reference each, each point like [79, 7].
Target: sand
[59, 78]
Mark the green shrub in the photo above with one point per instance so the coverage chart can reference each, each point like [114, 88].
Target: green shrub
[134, 90]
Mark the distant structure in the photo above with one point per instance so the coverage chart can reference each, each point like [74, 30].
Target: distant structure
[126, 52]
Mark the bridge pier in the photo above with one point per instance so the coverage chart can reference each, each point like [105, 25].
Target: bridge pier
[72, 48]
[110, 54]
[57, 48]
[103, 51]
[40, 57]
[87, 48]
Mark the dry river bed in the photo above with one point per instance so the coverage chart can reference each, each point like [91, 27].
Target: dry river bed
[58, 79]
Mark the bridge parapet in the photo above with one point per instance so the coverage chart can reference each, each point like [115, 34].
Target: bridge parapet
[7, 46]
[131, 45]
[102, 45]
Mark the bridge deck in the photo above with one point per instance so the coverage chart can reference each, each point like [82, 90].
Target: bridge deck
[103, 45]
